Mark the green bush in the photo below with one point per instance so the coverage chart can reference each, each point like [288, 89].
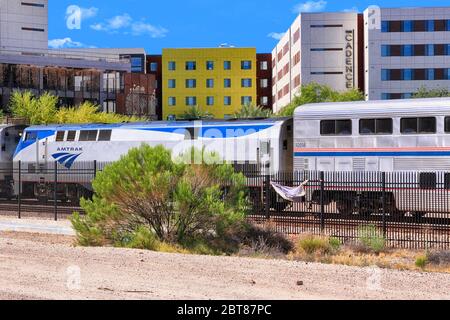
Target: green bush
[335, 244]
[177, 203]
[315, 245]
[371, 239]
[44, 110]
[422, 262]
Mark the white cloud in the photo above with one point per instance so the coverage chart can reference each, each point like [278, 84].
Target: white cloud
[352, 9]
[276, 35]
[87, 13]
[126, 25]
[64, 43]
[142, 28]
[310, 6]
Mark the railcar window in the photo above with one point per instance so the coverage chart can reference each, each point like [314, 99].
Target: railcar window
[447, 124]
[105, 135]
[71, 136]
[60, 136]
[31, 136]
[336, 127]
[418, 125]
[375, 126]
[88, 135]
[447, 181]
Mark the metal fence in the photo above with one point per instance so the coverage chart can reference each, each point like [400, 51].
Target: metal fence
[408, 209]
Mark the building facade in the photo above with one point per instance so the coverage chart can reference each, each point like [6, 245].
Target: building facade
[318, 47]
[154, 68]
[23, 26]
[264, 80]
[216, 80]
[406, 49]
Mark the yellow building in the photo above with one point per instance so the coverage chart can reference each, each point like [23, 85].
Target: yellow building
[216, 80]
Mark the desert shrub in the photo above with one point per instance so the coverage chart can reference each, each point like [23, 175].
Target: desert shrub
[315, 245]
[370, 239]
[142, 238]
[263, 240]
[335, 244]
[178, 203]
[422, 262]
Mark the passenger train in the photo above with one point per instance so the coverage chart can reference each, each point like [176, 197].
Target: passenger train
[379, 136]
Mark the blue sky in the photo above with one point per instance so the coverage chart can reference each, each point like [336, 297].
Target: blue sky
[157, 24]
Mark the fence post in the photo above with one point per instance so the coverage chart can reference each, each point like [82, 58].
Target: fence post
[55, 194]
[19, 196]
[322, 201]
[95, 169]
[383, 182]
[267, 191]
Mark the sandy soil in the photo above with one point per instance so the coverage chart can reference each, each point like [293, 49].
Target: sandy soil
[39, 266]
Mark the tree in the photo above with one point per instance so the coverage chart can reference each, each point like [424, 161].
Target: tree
[249, 111]
[172, 201]
[424, 92]
[44, 110]
[317, 93]
[196, 113]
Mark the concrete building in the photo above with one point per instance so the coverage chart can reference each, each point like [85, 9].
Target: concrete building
[23, 26]
[216, 80]
[318, 47]
[405, 49]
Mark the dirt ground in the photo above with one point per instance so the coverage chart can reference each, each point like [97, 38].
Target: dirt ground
[39, 266]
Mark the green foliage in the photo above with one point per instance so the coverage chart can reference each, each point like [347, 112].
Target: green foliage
[371, 239]
[43, 110]
[335, 244]
[315, 245]
[249, 111]
[317, 93]
[423, 92]
[147, 193]
[422, 262]
[196, 113]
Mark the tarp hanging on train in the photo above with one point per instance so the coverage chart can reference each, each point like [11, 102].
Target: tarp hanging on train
[292, 194]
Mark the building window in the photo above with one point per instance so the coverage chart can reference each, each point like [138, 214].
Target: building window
[172, 101]
[191, 83]
[227, 83]
[414, 74]
[191, 101]
[172, 83]
[210, 83]
[246, 65]
[191, 65]
[246, 100]
[136, 64]
[210, 65]
[264, 101]
[153, 67]
[246, 83]
[227, 101]
[413, 26]
[227, 65]
[296, 35]
[264, 83]
[172, 65]
[209, 101]
[264, 65]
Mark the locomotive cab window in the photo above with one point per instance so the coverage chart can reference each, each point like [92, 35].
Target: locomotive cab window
[105, 135]
[31, 136]
[336, 128]
[375, 126]
[60, 136]
[418, 125]
[88, 135]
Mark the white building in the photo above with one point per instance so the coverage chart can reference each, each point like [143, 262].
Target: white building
[405, 49]
[23, 26]
[318, 47]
